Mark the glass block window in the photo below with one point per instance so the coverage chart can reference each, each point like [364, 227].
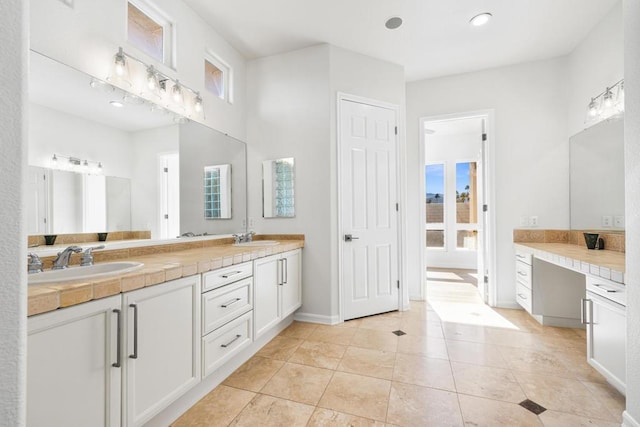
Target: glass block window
[212, 193]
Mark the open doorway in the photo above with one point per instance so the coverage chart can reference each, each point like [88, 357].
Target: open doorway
[456, 238]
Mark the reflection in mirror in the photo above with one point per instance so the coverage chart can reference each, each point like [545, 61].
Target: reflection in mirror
[597, 176]
[72, 114]
[201, 147]
[217, 192]
[278, 178]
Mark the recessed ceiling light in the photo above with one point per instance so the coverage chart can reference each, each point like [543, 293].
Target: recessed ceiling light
[480, 19]
[117, 104]
[393, 22]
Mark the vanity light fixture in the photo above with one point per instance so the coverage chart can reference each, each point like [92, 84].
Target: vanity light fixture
[75, 164]
[606, 105]
[154, 84]
[480, 19]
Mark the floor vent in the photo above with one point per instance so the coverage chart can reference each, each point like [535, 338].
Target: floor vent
[532, 406]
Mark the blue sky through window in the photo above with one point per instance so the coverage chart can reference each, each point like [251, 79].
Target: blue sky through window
[462, 177]
[434, 178]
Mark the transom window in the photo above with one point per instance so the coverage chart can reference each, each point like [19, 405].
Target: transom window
[217, 77]
[150, 31]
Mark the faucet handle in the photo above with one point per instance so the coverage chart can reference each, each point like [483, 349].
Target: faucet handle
[87, 255]
[35, 263]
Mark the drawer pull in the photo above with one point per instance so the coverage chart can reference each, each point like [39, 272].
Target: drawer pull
[521, 256]
[604, 288]
[520, 273]
[522, 296]
[118, 362]
[233, 273]
[231, 342]
[230, 303]
[135, 331]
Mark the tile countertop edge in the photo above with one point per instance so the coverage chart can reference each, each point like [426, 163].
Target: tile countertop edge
[158, 268]
[608, 265]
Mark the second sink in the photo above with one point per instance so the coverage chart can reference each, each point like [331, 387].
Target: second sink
[91, 272]
[258, 243]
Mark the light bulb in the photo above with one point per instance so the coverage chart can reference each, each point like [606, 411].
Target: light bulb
[85, 165]
[120, 63]
[54, 161]
[593, 108]
[608, 98]
[197, 106]
[152, 82]
[176, 92]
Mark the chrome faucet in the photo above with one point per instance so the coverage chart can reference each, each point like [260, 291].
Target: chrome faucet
[87, 256]
[62, 260]
[35, 263]
[243, 237]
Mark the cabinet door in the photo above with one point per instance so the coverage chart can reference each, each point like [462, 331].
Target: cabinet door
[266, 302]
[162, 346]
[71, 377]
[606, 338]
[291, 283]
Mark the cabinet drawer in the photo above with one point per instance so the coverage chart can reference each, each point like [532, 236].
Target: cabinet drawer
[216, 278]
[524, 296]
[523, 273]
[523, 257]
[225, 342]
[224, 304]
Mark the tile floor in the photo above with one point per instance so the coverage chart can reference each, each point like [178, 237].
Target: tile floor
[460, 363]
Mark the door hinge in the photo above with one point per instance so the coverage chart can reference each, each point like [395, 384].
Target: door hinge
[166, 216]
[396, 130]
[166, 170]
[484, 136]
[398, 284]
[485, 208]
[397, 207]
[486, 279]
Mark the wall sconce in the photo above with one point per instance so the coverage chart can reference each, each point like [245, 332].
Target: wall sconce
[606, 105]
[154, 85]
[75, 164]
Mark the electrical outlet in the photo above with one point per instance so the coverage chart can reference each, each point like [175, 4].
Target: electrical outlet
[618, 221]
[533, 221]
[524, 221]
[607, 220]
[244, 223]
[251, 223]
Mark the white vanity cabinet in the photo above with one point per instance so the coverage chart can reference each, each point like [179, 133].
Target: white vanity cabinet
[277, 289]
[73, 374]
[161, 346]
[227, 315]
[604, 314]
[524, 274]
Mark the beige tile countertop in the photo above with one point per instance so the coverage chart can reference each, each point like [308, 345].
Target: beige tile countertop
[606, 264]
[160, 266]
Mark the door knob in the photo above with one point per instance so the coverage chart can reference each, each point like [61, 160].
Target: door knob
[349, 238]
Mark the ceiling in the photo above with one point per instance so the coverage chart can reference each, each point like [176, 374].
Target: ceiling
[435, 39]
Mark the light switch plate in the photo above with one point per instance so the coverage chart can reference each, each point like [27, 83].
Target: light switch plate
[618, 221]
[524, 221]
[606, 220]
[533, 221]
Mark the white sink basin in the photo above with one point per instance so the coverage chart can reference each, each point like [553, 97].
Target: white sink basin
[90, 272]
[258, 243]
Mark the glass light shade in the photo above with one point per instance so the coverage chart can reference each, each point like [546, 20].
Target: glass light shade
[120, 70]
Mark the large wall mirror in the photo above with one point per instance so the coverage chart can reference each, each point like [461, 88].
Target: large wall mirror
[121, 163]
[597, 177]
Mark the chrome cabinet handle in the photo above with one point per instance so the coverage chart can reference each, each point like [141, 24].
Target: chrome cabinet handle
[520, 273]
[584, 313]
[118, 313]
[229, 303]
[234, 273]
[605, 288]
[521, 256]
[135, 331]
[285, 270]
[281, 272]
[231, 342]
[522, 296]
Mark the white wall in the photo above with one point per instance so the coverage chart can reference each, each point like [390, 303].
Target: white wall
[597, 62]
[13, 167]
[288, 116]
[52, 131]
[632, 201]
[145, 192]
[530, 145]
[87, 35]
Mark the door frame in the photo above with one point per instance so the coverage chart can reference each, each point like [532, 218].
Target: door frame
[489, 197]
[341, 96]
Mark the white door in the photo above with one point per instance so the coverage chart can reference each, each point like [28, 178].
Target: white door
[482, 218]
[169, 195]
[368, 195]
[36, 188]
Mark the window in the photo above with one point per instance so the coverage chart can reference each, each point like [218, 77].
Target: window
[217, 192]
[435, 200]
[467, 205]
[150, 31]
[217, 77]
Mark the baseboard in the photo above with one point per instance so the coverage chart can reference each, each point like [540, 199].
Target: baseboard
[628, 420]
[316, 318]
[417, 298]
[508, 304]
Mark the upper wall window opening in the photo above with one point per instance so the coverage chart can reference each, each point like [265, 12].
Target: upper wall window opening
[217, 77]
[150, 31]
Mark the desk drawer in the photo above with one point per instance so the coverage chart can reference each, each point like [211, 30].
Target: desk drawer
[524, 296]
[222, 344]
[216, 278]
[224, 304]
[524, 257]
[523, 273]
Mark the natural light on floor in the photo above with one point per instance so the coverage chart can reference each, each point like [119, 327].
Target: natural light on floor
[454, 297]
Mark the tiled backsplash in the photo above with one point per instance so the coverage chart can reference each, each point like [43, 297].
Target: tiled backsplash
[68, 239]
[613, 241]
